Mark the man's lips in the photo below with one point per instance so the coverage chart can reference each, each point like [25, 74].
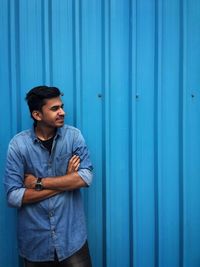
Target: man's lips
[60, 119]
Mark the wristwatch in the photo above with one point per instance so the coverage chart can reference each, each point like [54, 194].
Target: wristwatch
[38, 184]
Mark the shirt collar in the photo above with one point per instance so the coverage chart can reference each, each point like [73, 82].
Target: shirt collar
[35, 139]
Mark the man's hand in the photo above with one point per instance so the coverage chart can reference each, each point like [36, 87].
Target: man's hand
[73, 164]
[30, 181]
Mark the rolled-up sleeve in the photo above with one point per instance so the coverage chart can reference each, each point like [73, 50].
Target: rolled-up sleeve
[14, 175]
[15, 197]
[81, 150]
[86, 175]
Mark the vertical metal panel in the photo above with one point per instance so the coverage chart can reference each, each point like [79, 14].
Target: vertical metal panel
[191, 136]
[129, 70]
[169, 135]
[91, 115]
[7, 217]
[145, 180]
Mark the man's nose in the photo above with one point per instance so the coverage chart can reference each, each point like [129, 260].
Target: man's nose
[61, 112]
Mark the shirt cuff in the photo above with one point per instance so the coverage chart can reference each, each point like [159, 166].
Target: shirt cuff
[86, 175]
[15, 197]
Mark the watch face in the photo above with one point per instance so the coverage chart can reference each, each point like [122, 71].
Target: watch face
[38, 186]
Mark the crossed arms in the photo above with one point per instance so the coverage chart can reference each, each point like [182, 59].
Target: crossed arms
[53, 185]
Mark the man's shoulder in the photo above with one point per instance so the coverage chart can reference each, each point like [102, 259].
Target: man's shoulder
[20, 136]
[69, 129]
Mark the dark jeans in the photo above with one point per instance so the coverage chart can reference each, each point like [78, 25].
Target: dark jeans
[79, 259]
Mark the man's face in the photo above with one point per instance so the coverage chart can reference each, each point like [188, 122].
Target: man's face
[52, 114]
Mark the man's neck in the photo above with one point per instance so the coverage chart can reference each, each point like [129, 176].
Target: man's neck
[44, 133]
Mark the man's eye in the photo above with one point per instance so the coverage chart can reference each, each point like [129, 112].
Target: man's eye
[54, 108]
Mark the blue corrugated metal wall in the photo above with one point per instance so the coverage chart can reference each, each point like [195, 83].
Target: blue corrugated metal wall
[130, 71]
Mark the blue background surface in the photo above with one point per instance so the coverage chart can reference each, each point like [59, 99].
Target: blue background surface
[130, 73]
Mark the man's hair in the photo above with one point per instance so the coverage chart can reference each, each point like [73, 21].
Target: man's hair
[37, 96]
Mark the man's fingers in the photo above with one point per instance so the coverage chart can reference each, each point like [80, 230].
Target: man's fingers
[76, 169]
[74, 159]
[74, 163]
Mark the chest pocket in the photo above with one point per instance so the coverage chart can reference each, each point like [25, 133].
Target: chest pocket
[62, 164]
[38, 168]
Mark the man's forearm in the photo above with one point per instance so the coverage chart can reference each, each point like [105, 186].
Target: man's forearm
[66, 182]
[32, 196]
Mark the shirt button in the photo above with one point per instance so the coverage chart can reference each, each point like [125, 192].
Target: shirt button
[50, 214]
[53, 233]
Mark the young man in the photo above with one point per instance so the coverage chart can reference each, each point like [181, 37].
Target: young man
[46, 167]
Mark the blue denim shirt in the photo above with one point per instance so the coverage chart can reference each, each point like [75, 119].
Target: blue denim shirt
[56, 223]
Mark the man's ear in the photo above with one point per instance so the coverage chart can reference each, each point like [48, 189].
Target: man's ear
[37, 115]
